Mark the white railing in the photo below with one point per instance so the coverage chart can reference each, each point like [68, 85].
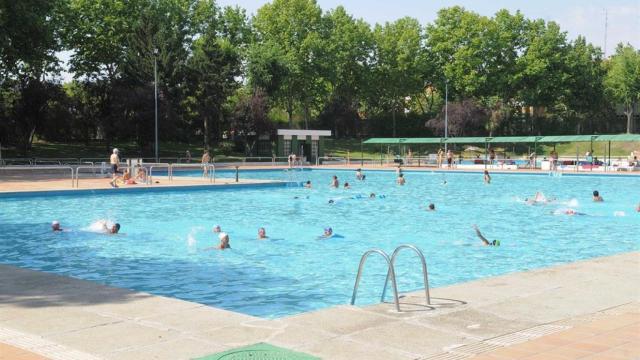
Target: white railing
[36, 168]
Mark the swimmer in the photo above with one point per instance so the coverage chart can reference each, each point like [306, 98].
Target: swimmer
[638, 208]
[431, 207]
[347, 186]
[217, 229]
[597, 197]
[262, 234]
[400, 180]
[487, 177]
[334, 182]
[538, 198]
[224, 241]
[485, 242]
[569, 212]
[328, 232]
[308, 184]
[111, 230]
[359, 174]
[55, 226]
[372, 196]
[331, 202]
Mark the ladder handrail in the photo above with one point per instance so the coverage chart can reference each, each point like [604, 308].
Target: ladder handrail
[425, 273]
[391, 272]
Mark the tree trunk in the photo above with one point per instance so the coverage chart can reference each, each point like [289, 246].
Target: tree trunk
[629, 113]
[393, 116]
[207, 132]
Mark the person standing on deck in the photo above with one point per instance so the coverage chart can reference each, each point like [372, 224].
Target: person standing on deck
[206, 159]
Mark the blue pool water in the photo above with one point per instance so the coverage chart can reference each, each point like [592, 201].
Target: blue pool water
[164, 235]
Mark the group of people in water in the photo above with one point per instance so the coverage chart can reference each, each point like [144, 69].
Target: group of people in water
[104, 227]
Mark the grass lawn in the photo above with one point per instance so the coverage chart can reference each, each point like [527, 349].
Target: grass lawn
[333, 147]
[352, 147]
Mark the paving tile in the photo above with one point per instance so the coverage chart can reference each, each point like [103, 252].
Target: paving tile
[409, 337]
[343, 349]
[60, 321]
[180, 348]
[340, 320]
[475, 323]
[109, 338]
[198, 319]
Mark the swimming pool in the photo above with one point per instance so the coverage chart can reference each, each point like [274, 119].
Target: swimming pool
[161, 250]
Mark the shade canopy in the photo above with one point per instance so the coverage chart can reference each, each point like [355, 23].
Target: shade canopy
[506, 139]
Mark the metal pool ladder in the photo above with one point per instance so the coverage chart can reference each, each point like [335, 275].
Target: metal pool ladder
[391, 273]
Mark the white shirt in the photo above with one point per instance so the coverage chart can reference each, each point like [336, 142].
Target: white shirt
[115, 159]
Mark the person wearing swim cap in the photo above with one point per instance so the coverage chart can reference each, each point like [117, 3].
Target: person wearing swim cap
[55, 226]
[224, 241]
[485, 242]
[372, 196]
[262, 234]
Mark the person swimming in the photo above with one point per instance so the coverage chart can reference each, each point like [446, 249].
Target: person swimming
[638, 208]
[484, 240]
[487, 177]
[431, 207]
[262, 234]
[55, 226]
[217, 229]
[308, 184]
[360, 175]
[569, 212]
[114, 229]
[538, 198]
[224, 241]
[331, 201]
[401, 180]
[372, 196]
[334, 182]
[597, 197]
[347, 186]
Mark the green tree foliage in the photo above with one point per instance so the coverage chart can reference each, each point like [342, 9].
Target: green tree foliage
[623, 81]
[219, 72]
[399, 68]
[295, 27]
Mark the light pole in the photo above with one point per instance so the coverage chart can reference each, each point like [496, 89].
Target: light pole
[155, 94]
[446, 112]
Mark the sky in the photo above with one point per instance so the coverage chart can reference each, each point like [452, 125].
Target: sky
[585, 17]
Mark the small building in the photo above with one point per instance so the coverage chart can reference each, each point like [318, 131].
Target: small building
[303, 143]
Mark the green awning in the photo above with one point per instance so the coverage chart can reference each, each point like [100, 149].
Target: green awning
[385, 141]
[566, 138]
[506, 139]
[620, 137]
[424, 141]
[513, 139]
[466, 140]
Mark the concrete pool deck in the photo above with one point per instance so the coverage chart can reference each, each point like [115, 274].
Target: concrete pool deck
[64, 318]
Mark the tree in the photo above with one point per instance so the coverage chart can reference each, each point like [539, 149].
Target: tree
[294, 26]
[466, 118]
[211, 71]
[622, 81]
[399, 65]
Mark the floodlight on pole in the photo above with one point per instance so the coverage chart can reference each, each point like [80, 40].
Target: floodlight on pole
[155, 95]
[446, 112]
